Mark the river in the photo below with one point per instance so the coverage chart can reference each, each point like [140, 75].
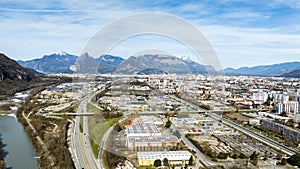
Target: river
[21, 154]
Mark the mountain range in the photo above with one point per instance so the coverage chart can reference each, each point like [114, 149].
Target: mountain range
[146, 64]
[265, 70]
[53, 63]
[165, 63]
[108, 64]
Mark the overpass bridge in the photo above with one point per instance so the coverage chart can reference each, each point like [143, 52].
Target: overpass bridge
[72, 114]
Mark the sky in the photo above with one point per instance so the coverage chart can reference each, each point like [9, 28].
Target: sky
[242, 32]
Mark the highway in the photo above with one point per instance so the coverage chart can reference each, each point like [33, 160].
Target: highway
[255, 135]
[80, 144]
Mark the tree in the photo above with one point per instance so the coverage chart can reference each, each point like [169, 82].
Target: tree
[242, 156]
[235, 156]
[294, 160]
[266, 156]
[191, 160]
[254, 158]
[283, 161]
[157, 163]
[279, 156]
[166, 162]
[222, 155]
[168, 124]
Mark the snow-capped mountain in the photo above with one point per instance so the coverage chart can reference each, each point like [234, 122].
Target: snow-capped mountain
[54, 63]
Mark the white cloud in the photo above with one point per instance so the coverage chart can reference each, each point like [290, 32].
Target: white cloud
[30, 29]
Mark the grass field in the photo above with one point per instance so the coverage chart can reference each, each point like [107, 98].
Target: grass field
[146, 167]
[97, 128]
[92, 108]
[95, 148]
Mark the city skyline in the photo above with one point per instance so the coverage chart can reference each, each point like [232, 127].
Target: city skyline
[243, 33]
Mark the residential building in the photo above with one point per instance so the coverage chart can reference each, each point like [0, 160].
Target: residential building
[281, 129]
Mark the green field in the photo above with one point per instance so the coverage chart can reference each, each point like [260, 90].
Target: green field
[92, 108]
[95, 148]
[146, 167]
[97, 128]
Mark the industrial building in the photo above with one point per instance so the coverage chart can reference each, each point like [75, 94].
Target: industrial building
[147, 143]
[147, 129]
[149, 119]
[174, 157]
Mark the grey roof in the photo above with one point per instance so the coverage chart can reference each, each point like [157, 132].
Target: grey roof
[143, 128]
[136, 139]
[170, 155]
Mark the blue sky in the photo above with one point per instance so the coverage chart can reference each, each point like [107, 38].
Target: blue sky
[243, 32]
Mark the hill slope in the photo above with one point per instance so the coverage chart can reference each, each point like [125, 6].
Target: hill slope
[13, 77]
[197, 68]
[265, 70]
[11, 70]
[294, 74]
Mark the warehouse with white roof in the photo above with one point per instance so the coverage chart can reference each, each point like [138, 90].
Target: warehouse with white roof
[174, 157]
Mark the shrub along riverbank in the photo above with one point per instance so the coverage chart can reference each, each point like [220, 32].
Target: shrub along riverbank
[50, 146]
[2, 164]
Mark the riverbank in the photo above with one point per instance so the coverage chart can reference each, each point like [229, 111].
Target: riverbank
[19, 151]
[2, 163]
[8, 114]
[47, 133]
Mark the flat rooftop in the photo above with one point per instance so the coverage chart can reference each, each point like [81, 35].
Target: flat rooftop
[153, 139]
[142, 128]
[170, 155]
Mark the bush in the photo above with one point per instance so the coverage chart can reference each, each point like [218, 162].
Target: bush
[254, 158]
[166, 162]
[222, 156]
[214, 160]
[242, 156]
[294, 160]
[191, 160]
[283, 161]
[157, 163]
[168, 124]
[235, 156]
